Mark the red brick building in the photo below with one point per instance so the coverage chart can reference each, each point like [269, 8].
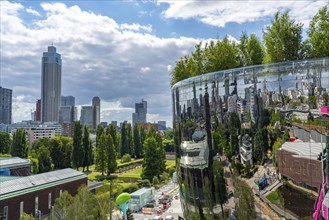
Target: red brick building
[36, 194]
[300, 162]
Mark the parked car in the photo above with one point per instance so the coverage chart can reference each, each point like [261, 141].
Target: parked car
[169, 217]
[158, 217]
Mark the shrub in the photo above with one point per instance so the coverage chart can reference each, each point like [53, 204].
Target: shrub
[125, 158]
[131, 188]
[155, 181]
[145, 183]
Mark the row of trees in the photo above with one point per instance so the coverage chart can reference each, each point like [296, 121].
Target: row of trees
[282, 41]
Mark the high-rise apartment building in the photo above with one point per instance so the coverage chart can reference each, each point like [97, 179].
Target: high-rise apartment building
[140, 112]
[51, 79]
[96, 103]
[67, 101]
[5, 105]
[86, 117]
[68, 111]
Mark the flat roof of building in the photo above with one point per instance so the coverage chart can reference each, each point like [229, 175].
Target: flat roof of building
[10, 162]
[6, 178]
[23, 185]
[141, 191]
[309, 150]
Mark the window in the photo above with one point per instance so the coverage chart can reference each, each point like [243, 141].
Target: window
[49, 200]
[5, 213]
[36, 203]
[21, 208]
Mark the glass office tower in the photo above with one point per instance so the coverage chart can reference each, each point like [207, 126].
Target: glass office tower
[203, 104]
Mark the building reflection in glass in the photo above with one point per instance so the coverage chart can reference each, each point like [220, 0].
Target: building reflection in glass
[201, 102]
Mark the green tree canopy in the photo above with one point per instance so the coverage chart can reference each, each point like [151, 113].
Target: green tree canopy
[283, 39]
[87, 149]
[78, 151]
[318, 34]
[19, 144]
[5, 143]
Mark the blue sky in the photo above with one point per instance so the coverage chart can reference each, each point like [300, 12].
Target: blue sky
[122, 51]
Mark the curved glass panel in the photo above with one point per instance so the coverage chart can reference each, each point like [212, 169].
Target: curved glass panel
[200, 102]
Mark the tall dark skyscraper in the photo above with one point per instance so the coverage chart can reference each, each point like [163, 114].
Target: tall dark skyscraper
[5, 105]
[140, 112]
[96, 103]
[51, 80]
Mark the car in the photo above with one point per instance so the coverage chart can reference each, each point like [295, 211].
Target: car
[169, 217]
[158, 217]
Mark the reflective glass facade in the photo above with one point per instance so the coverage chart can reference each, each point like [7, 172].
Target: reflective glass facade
[200, 102]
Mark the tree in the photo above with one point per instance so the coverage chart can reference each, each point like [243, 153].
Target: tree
[83, 206]
[245, 207]
[219, 184]
[113, 132]
[78, 151]
[277, 144]
[101, 153]
[255, 50]
[325, 97]
[151, 166]
[155, 181]
[130, 140]
[142, 134]
[125, 158]
[137, 142]
[234, 125]
[44, 159]
[62, 206]
[87, 149]
[56, 152]
[124, 139]
[260, 144]
[111, 158]
[19, 145]
[283, 39]
[318, 34]
[5, 143]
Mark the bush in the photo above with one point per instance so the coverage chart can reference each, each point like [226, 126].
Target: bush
[171, 170]
[145, 183]
[125, 158]
[101, 178]
[155, 181]
[131, 188]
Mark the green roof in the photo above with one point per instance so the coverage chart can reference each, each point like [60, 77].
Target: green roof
[27, 184]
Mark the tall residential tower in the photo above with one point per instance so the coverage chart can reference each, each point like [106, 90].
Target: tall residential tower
[5, 105]
[51, 80]
[140, 112]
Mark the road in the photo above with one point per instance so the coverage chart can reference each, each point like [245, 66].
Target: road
[174, 210]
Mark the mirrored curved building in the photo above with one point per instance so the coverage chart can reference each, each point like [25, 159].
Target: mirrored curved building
[203, 103]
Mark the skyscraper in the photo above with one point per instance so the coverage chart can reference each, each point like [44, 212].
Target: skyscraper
[5, 105]
[67, 101]
[86, 116]
[140, 112]
[96, 103]
[51, 79]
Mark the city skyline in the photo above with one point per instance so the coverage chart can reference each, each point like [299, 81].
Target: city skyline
[133, 61]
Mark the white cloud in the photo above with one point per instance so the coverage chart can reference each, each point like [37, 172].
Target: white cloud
[219, 13]
[32, 11]
[99, 58]
[145, 69]
[169, 68]
[136, 27]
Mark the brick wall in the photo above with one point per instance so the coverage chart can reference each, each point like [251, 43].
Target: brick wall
[29, 199]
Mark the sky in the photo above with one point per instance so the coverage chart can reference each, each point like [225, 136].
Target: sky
[121, 51]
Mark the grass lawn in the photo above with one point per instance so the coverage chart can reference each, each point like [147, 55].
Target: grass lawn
[275, 198]
[134, 173]
[170, 163]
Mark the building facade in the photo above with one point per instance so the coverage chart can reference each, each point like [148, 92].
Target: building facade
[67, 100]
[37, 194]
[201, 103]
[86, 117]
[51, 84]
[5, 105]
[96, 103]
[140, 113]
[36, 133]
